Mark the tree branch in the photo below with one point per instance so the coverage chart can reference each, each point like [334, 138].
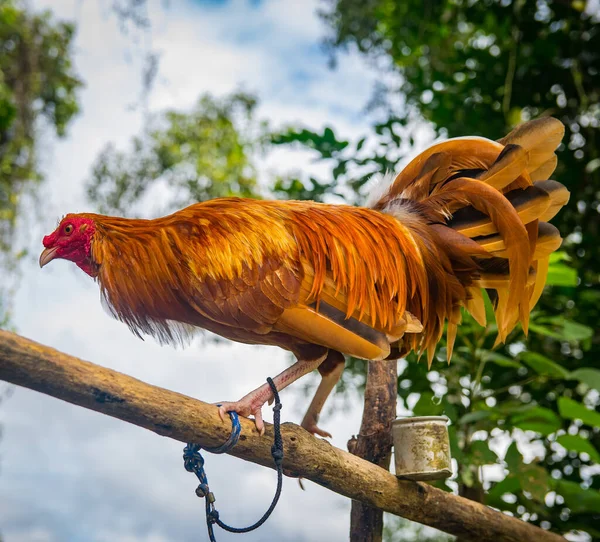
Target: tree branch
[374, 443]
[29, 364]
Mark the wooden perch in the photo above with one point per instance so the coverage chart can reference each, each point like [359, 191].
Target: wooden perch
[29, 364]
[374, 443]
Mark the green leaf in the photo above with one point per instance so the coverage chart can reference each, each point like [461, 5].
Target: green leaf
[559, 256]
[499, 359]
[513, 406]
[577, 332]
[471, 417]
[481, 454]
[592, 165]
[532, 477]
[544, 366]
[539, 419]
[455, 449]
[561, 329]
[467, 476]
[580, 445]
[572, 410]
[513, 458]
[450, 410]
[535, 480]
[587, 375]
[579, 500]
[560, 274]
[546, 331]
[510, 484]
[489, 308]
[426, 406]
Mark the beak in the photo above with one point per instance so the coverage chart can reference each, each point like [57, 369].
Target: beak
[47, 255]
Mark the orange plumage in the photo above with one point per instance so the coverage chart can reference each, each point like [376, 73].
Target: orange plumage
[327, 280]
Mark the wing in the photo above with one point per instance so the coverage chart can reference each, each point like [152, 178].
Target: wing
[253, 301]
[301, 283]
[323, 320]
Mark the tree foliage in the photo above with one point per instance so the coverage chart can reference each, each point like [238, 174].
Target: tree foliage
[198, 155]
[38, 90]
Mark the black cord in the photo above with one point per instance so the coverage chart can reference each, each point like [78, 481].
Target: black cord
[194, 462]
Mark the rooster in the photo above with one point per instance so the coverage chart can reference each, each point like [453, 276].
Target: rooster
[323, 281]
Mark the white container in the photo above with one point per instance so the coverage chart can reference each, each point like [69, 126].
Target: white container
[422, 448]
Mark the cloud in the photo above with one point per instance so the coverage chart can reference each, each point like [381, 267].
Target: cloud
[71, 474]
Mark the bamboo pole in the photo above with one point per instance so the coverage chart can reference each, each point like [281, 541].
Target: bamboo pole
[37, 367]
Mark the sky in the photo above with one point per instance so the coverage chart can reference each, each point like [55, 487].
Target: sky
[71, 475]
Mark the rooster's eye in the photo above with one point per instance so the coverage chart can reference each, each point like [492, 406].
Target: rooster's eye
[69, 229]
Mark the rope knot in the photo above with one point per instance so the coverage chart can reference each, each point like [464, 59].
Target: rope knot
[202, 490]
[277, 454]
[192, 460]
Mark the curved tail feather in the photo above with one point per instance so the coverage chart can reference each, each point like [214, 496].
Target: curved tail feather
[489, 201]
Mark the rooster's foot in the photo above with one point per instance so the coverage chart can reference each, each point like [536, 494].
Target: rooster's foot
[250, 405]
[310, 424]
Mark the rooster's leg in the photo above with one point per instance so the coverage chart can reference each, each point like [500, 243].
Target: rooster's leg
[252, 403]
[331, 370]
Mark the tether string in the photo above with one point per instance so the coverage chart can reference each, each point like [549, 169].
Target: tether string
[194, 462]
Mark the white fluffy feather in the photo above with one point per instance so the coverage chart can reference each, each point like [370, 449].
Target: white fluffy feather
[382, 185]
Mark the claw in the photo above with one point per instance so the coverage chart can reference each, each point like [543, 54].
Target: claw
[244, 407]
[310, 424]
[314, 429]
[222, 413]
[258, 422]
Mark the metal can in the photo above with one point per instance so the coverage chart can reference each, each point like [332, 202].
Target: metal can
[422, 448]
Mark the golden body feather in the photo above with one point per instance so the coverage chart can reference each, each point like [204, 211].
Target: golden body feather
[235, 266]
[324, 280]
